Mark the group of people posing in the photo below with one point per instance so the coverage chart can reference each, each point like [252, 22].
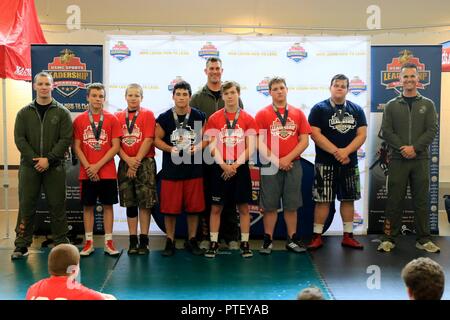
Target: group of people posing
[207, 140]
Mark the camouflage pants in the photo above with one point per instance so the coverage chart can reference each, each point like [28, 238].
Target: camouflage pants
[141, 190]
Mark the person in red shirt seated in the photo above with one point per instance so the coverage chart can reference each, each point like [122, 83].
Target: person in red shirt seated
[64, 267]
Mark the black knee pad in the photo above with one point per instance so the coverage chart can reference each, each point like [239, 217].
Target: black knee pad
[132, 212]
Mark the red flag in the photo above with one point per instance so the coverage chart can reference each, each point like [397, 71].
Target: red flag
[19, 28]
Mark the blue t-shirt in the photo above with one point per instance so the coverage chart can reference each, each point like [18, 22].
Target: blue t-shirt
[339, 125]
[182, 139]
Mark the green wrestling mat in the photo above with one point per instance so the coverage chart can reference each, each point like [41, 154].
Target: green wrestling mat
[279, 276]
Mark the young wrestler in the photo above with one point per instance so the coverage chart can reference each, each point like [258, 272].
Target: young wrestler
[137, 168]
[179, 136]
[232, 133]
[96, 141]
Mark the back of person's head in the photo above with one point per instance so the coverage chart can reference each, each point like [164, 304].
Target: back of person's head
[311, 293]
[424, 279]
[62, 259]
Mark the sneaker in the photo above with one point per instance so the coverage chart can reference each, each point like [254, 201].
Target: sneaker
[245, 250]
[143, 244]
[233, 245]
[192, 246]
[295, 245]
[350, 242]
[386, 246]
[169, 250]
[133, 248]
[212, 250]
[316, 242]
[110, 249]
[204, 244]
[428, 247]
[267, 245]
[19, 253]
[87, 249]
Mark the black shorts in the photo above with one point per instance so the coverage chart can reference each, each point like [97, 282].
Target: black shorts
[237, 190]
[105, 190]
[336, 180]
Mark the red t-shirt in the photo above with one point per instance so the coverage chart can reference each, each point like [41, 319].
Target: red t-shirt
[82, 131]
[143, 128]
[61, 288]
[231, 145]
[287, 138]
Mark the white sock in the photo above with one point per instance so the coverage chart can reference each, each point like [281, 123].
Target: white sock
[214, 236]
[108, 236]
[245, 236]
[89, 236]
[348, 227]
[318, 228]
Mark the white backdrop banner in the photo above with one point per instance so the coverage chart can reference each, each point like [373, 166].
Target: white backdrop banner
[307, 64]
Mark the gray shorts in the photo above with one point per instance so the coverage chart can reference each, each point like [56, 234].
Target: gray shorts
[285, 185]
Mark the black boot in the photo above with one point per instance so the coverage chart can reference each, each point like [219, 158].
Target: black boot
[133, 249]
[143, 244]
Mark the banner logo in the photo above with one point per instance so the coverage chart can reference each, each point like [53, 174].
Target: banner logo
[120, 51]
[390, 78]
[446, 57]
[356, 86]
[263, 86]
[208, 51]
[69, 73]
[297, 53]
[174, 82]
[358, 220]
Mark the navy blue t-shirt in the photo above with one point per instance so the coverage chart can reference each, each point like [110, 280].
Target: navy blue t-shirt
[182, 138]
[339, 125]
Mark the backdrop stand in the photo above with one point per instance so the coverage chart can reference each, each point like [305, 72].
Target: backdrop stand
[5, 160]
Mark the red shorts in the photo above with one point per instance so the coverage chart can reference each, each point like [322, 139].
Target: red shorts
[179, 195]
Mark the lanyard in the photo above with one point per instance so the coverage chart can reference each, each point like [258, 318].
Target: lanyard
[133, 121]
[284, 118]
[340, 112]
[97, 131]
[231, 125]
[177, 122]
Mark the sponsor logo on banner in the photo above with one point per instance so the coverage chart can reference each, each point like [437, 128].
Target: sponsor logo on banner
[255, 213]
[120, 51]
[390, 78]
[263, 86]
[361, 154]
[69, 73]
[356, 86]
[446, 57]
[208, 51]
[297, 53]
[174, 82]
[358, 220]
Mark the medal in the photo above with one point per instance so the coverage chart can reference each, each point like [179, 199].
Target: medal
[97, 146]
[133, 121]
[180, 134]
[231, 125]
[283, 131]
[96, 130]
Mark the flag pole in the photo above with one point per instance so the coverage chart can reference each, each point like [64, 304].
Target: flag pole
[5, 159]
